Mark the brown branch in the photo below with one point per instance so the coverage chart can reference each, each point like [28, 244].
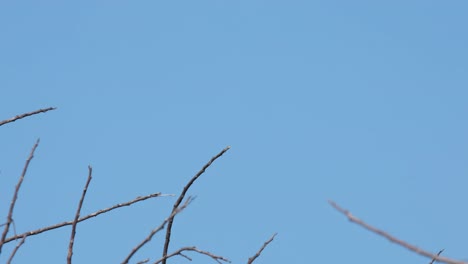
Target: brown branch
[251, 259]
[393, 239]
[206, 253]
[438, 254]
[181, 197]
[13, 253]
[156, 230]
[13, 119]
[102, 211]
[15, 196]
[77, 216]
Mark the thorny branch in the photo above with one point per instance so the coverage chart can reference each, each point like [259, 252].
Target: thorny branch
[251, 259]
[102, 211]
[77, 216]
[13, 119]
[181, 197]
[156, 230]
[393, 239]
[15, 196]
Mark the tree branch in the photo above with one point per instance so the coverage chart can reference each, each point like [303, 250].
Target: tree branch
[251, 259]
[156, 230]
[438, 254]
[13, 119]
[15, 196]
[77, 216]
[102, 211]
[13, 253]
[393, 239]
[181, 197]
[206, 253]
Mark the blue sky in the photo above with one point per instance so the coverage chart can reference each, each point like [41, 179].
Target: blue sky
[362, 102]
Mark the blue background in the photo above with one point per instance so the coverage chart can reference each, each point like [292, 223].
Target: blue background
[362, 102]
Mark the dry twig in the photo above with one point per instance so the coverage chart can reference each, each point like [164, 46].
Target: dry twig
[181, 197]
[13, 253]
[206, 253]
[156, 230]
[393, 239]
[438, 254]
[102, 211]
[77, 216]
[13, 119]
[15, 196]
[251, 259]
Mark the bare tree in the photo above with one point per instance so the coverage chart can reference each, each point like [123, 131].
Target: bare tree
[167, 224]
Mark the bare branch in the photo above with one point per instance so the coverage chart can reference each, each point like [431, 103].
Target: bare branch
[438, 254]
[181, 197]
[251, 259]
[77, 216]
[206, 253]
[13, 119]
[393, 239]
[13, 253]
[156, 230]
[15, 196]
[102, 211]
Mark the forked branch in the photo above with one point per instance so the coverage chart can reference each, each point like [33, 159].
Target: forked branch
[181, 197]
[156, 230]
[202, 252]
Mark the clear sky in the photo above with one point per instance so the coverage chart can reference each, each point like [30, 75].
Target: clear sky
[362, 102]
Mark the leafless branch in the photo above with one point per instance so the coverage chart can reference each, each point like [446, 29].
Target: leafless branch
[156, 230]
[206, 253]
[102, 211]
[438, 254]
[13, 253]
[251, 259]
[77, 216]
[15, 196]
[393, 239]
[181, 197]
[13, 119]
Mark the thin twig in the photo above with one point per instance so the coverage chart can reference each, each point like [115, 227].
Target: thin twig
[15, 196]
[102, 211]
[13, 119]
[393, 239]
[181, 197]
[251, 259]
[16, 249]
[206, 253]
[77, 216]
[438, 254]
[156, 230]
